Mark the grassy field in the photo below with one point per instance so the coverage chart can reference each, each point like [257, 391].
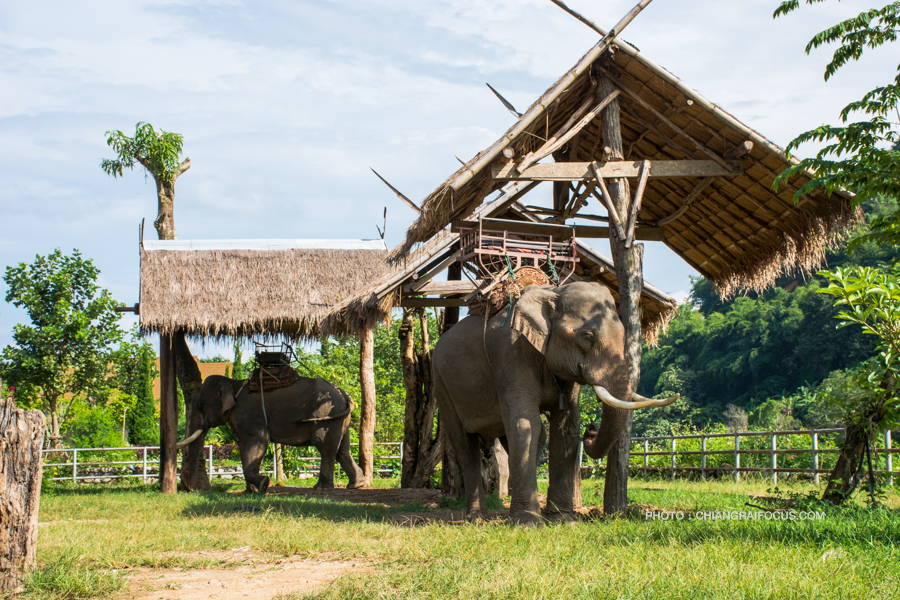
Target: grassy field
[90, 534]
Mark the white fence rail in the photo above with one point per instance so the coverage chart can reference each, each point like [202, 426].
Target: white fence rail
[779, 443]
[87, 464]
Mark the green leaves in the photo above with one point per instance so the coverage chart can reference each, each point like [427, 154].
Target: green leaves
[861, 156]
[157, 152]
[73, 325]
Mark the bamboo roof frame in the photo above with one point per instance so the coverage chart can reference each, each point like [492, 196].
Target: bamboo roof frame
[736, 231]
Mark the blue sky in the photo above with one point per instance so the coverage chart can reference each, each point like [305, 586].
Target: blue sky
[284, 106]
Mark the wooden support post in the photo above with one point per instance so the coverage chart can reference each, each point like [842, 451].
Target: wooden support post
[451, 313]
[367, 404]
[628, 265]
[21, 439]
[408, 363]
[194, 475]
[737, 457]
[279, 463]
[168, 418]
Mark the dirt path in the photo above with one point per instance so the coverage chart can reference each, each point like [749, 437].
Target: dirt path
[245, 577]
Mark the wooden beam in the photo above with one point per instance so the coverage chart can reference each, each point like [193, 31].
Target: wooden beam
[440, 288]
[517, 227]
[636, 203]
[580, 17]
[552, 146]
[641, 234]
[607, 199]
[434, 271]
[408, 202]
[431, 302]
[735, 153]
[574, 171]
[698, 145]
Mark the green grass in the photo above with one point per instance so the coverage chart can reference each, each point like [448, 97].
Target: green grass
[853, 553]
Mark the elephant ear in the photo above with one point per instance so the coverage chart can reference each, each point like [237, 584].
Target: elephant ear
[532, 315]
[226, 397]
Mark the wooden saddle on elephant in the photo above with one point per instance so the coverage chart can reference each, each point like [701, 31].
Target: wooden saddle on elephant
[273, 369]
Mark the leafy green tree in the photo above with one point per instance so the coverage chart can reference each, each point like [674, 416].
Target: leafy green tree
[134, 363]
[237, 370]
[868, 298]
[859, 155]
[143, 422]
[158, 153]
[66, 349]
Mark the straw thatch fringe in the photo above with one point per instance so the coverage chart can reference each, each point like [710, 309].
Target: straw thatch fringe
[800, 251]
[254, 293]
[655, 325]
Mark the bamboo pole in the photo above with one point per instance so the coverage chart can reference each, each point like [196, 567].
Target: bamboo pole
[367, 404]
[538, 109]
[408, 202]
[168, 418]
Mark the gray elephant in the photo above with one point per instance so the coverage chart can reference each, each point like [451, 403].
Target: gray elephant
[310, 412]
[495, 381]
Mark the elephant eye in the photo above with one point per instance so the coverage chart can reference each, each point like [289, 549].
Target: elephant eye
[588, 336]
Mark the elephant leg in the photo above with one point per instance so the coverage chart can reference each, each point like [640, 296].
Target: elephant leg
[523, 431]
[355, 479]
[562, 497]
[252, 453]
[467, 448]
[326, 469]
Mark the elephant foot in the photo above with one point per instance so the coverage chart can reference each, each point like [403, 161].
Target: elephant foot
[526, 519]
[476, 517]
[320, 485]
[355, 485]
[565, 517]
[259, 488]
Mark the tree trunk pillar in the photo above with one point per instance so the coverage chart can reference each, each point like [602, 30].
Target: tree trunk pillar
[367, 404]
[194, 471]
[21, 439]
[168, 418]
[628, 265]
[409, 365]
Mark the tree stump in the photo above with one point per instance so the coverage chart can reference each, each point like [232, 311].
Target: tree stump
[21, 438]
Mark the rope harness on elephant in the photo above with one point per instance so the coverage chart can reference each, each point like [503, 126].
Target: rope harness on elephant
[262, 399]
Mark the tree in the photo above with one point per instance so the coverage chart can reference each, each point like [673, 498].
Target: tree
[869, 298]
[862, 156]
[143, 425]
[66, 349]
[158, 153]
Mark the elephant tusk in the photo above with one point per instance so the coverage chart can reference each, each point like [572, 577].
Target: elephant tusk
[658, 402]
[188, 440]
[639, 401]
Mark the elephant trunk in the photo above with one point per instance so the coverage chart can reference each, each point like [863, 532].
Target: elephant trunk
[194, 476]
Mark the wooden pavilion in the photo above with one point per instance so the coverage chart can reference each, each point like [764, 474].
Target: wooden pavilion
[662, 163]
[259, 289]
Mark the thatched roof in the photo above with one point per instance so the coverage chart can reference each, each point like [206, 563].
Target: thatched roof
[383, 293]
[239, 289]
[737, 231]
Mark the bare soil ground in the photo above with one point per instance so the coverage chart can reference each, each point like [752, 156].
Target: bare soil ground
[242, 575]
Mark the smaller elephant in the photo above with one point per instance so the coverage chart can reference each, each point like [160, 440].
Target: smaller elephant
[310, 412]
